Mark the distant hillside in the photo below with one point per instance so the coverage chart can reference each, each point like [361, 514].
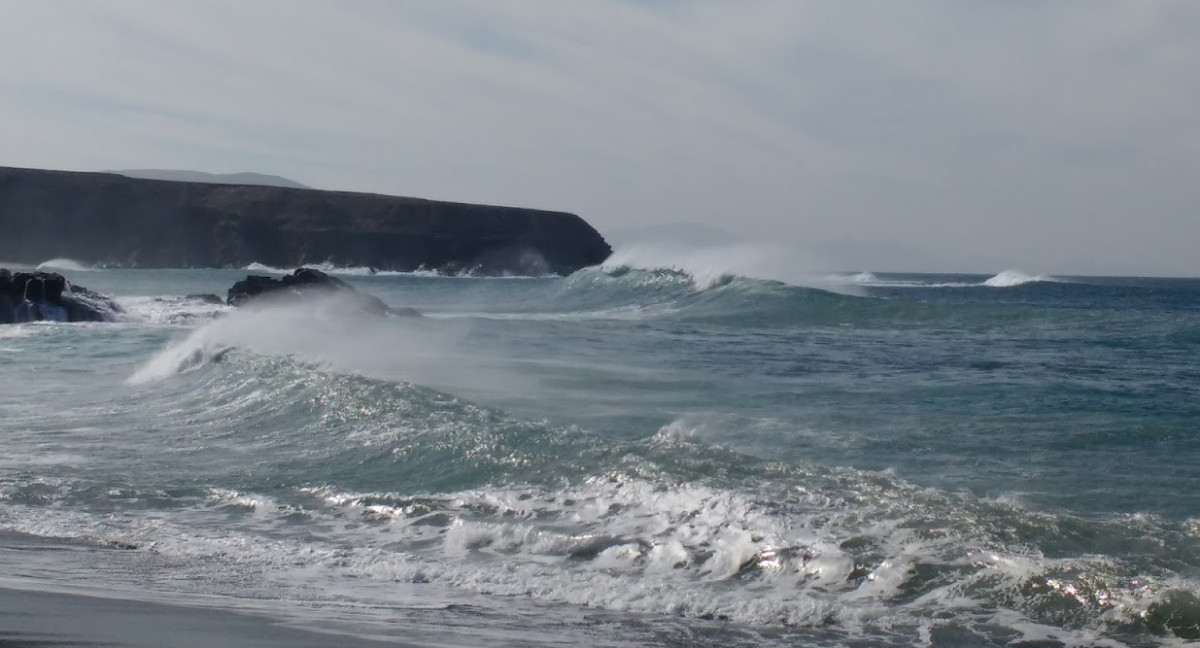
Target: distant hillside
[245, 178]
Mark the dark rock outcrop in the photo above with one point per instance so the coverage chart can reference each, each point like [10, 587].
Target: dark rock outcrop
[207, 298]
[112, 220]
[306, 283]
[39, 296]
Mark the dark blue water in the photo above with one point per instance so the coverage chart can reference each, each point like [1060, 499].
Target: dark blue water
[678, 456]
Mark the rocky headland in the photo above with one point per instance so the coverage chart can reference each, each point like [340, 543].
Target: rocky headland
[113, 220]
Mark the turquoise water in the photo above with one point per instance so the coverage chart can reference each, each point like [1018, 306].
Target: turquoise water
[628, 456]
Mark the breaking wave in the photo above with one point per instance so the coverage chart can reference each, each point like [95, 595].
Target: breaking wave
[1012, 278]
[65, 264]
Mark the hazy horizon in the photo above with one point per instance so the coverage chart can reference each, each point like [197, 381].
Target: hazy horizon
[1059, 138]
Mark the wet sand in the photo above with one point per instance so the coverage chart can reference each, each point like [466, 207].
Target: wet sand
[37, 619]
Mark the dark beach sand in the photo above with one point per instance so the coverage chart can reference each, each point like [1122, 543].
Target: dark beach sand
[36, 619]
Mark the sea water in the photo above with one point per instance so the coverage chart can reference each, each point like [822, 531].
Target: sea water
[636, 454]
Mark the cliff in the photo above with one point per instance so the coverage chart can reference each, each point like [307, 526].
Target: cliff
[113, 220]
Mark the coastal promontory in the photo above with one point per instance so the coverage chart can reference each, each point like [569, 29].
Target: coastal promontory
[114, 220]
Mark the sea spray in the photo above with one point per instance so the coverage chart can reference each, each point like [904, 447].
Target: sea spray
[66, 265]
[329, 332]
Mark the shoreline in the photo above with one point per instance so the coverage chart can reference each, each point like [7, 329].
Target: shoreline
[32, 618]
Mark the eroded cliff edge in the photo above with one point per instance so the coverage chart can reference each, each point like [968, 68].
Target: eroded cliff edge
[109, 219]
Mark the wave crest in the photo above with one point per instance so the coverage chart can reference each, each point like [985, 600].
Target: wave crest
[1013, 278]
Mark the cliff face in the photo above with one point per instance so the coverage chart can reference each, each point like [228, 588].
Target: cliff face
[108, 219]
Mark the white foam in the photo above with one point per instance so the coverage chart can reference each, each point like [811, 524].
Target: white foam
[169, 310]
[260, 504]
[620, 543]
[610, 543]
[13, 331]
[677, 432]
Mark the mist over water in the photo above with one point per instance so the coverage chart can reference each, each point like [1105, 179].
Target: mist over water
[716, 446]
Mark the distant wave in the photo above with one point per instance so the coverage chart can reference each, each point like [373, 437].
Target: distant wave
[1013, 278]
[872, 280]
[1005, 279]
[711, 267]
[864, 278]
[69, 265]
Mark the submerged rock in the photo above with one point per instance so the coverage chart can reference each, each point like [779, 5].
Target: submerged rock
[48, 296]
[306, 283]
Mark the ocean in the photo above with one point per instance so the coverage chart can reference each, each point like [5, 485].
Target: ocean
[631, 455]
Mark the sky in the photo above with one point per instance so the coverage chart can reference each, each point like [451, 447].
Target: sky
[1051, 137]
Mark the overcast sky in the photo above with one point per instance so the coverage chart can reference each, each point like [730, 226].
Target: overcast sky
[1058, 137]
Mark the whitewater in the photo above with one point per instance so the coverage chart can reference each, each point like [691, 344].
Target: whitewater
[680, 449]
